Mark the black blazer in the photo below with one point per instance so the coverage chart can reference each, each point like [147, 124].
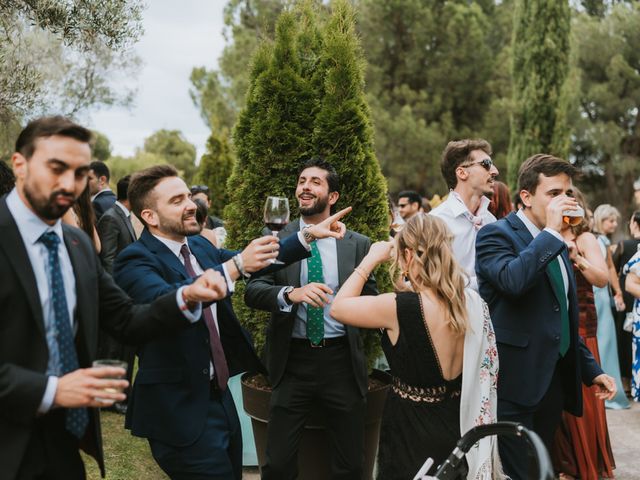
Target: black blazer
[262, 293]
[511, 267]
[170, 396]
[23, 348]
[115, 232]
[103, 202]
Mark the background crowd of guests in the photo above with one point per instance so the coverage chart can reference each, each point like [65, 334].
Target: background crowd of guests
[481, 285]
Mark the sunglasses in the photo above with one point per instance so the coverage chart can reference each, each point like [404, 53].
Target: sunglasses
[486, 163]
[199, 188]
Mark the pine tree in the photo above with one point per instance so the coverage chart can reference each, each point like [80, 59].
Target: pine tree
[540, 66]
[215, 169]
[305, 98]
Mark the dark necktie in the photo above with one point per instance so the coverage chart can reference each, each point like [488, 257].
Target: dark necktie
[217, 353]
[558, 285]
[315, 315]
[76, 419]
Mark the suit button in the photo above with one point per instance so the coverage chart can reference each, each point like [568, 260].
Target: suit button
[205, 371]
[206, 341]
[556, 308]
[557, 338]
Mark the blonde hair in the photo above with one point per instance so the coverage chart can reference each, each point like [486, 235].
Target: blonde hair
[433, 267]
[602, 213]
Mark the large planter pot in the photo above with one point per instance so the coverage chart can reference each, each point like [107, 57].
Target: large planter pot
[314, 445]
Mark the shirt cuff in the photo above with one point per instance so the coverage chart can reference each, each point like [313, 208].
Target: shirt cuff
[231, 285]
[192, 315]
[282, 304]
[554, 233]
[49, 395]
[303, 242]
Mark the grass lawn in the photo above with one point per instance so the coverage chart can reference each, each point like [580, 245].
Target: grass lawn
[126, 457]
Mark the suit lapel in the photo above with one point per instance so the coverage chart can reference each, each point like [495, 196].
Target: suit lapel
[16, 253]
[346, 255]
[292, 271]
[520, 228]
[165, 255]
[80, 269]
[126, 221]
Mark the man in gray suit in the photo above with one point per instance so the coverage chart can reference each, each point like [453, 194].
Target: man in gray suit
[114, 227]
[311, 358]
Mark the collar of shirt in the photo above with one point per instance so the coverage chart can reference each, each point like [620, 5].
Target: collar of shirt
[173, 245]
[533, 230]
[31, 226]
[458, 208]
[93, 197]
[123, 208]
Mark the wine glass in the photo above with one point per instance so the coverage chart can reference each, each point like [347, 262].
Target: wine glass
[276, 215]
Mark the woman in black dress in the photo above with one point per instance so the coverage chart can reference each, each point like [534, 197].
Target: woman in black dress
[436, 333]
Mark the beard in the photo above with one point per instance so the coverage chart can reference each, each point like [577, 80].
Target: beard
[318, 206]
[47, 208]
[179, 227]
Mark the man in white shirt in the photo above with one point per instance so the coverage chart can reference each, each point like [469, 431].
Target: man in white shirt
[469, 172]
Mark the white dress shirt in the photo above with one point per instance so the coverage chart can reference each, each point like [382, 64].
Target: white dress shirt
[31, 228]
[535, 231]
[464, 226]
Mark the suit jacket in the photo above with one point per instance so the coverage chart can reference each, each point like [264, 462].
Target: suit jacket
[103, 202]
[262, 293]
[23, 347]
[170, 396]
[115, 232]
[511, 267]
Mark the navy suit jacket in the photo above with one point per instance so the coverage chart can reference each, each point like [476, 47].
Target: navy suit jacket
[511, 268]
[170, 395]
[103, 202]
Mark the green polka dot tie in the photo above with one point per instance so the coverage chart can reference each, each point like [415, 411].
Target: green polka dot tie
[315, 315]
[76, 419]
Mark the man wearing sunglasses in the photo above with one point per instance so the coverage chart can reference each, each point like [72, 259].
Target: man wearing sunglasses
[469, 172]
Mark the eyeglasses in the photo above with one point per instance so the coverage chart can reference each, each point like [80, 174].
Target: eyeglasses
[199, 189]
[486, 163]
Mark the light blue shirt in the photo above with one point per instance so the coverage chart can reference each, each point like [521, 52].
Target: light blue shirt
[31, 228]
[329, 255]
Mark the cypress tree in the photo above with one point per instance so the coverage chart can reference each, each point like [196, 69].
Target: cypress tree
[306, 97]
[343, 134]
[215, 168]
[540, 64]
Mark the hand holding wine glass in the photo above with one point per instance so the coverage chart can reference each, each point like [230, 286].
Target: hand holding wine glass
[276, 215]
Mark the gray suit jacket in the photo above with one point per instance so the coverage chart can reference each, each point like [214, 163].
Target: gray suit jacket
[115, 232]
[262, 293]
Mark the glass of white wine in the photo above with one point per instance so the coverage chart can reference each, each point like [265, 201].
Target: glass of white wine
[102, 363]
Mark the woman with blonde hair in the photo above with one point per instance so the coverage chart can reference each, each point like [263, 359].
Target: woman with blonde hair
[440, 345]
[605, 219]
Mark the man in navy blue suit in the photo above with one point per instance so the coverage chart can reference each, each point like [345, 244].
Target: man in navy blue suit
[526, 277]
[180, 401]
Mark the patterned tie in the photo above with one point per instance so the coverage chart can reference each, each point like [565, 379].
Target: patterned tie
[315, 315]
[76, 419]
[553, 269]
[217, 352]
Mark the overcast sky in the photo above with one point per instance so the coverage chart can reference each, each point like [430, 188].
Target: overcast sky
[178, 36]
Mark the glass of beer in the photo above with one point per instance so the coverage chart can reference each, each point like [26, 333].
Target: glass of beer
[573, 217]
[110, 363]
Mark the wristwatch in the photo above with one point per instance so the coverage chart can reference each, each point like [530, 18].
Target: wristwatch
[286, 293]
[308, 236]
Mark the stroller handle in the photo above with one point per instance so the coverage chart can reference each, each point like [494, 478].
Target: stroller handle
[449, 470]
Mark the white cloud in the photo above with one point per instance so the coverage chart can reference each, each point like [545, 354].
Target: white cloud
[178, 36]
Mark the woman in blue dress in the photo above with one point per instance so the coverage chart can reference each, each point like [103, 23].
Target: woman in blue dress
[632, 285]
[605, 223]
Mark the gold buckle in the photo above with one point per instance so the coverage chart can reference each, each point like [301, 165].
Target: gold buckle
[320, 345]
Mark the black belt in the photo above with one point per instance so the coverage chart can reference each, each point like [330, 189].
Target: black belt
[325, 342]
